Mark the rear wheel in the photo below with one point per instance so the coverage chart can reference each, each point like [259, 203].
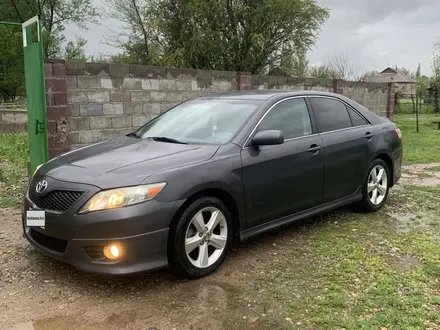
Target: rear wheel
[200, 238]
[376, 187]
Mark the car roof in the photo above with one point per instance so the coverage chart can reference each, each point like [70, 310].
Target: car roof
[264, 95]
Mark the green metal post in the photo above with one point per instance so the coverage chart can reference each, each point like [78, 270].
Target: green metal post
[35, 93]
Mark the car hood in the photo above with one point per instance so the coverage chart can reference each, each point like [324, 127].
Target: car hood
[123, 161]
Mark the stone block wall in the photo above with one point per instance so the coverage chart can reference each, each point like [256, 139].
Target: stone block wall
[91, 102]
[108, 100]
[13, 121]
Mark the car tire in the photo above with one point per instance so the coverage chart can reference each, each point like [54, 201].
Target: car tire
[194, 250]
[376, 187]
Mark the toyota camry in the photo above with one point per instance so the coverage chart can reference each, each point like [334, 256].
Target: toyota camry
[208, 173]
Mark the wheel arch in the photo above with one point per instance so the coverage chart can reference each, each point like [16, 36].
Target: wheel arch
[221, 194]
[389, 161]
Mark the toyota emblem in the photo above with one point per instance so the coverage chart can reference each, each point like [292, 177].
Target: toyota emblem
[41, 186]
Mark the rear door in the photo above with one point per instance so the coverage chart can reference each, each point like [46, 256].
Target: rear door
[284, 179]
[347, 139]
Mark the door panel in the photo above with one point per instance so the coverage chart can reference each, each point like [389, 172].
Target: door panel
[347, 146]
[281, 180]
[346, 153]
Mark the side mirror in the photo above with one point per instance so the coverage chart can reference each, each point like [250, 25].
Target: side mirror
[267, 138]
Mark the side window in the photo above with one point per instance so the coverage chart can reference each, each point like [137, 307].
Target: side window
[290, 116]
[356, 118]
[330, 114]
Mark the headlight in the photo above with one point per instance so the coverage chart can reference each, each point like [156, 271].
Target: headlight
[37, 168]
[120, 197]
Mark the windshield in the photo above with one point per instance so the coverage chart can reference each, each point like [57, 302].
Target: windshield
[201, 121]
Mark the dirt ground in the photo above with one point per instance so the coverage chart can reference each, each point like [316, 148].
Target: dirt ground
[37, 292]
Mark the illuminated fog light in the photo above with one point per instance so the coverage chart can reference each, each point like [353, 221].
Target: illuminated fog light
[112, 251]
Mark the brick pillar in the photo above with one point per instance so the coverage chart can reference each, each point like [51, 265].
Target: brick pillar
[391, 100]
[56, 106]
[244, 81]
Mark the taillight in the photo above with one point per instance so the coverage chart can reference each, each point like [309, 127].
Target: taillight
[398, 133]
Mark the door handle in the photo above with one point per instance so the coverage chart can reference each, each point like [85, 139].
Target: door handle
[368, 135]
[314, 148]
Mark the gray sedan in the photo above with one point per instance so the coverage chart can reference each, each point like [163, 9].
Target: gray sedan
[212, 171]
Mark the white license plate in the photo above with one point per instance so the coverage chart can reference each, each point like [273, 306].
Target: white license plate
[36, 219]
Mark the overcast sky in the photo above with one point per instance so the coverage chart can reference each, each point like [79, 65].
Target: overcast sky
[373, 33]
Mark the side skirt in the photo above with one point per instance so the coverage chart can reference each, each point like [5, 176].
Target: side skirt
[274, 224]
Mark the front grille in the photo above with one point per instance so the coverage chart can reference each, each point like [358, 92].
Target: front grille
[95, 252]
[52, 243]
[56, 200]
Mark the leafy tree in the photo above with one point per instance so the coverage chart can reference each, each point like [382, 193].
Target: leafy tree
[75, 50]
[322, 71]
[236, 35]
[11, 63]
[54, 15]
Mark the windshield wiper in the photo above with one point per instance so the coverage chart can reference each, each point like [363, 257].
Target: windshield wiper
[133, 134]
[166, 139]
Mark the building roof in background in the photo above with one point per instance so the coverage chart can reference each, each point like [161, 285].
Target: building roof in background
[391, 75]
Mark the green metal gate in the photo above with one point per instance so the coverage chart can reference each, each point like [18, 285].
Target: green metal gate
[35, 91]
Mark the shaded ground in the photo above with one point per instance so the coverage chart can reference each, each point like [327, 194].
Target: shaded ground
[339, 270]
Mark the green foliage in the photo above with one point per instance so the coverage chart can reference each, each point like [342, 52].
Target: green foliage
[322, 71]
[75, 50]
[11, 63]
[54, 14]
[234, 35]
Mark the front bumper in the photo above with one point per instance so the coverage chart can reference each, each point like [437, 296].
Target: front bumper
[141, 230]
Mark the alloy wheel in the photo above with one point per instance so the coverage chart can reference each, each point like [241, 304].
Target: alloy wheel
[206, 237]
[377, 184]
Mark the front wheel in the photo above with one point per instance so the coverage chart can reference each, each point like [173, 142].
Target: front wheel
[200, 238]
[376, 187]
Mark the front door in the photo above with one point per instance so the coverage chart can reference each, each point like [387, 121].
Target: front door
[284, 179]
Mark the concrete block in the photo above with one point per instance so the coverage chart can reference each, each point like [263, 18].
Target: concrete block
[113, 109]
[90, 109]
[73, 138]
[111, 83]
[120, 96]
[131, 108]
[189, 74]
[174, 96]
[79, 123]
[97, 69]
[167, 84]
[189, 95]
[75, 68]
[100, 122]
[158, 96]
[224, 86]
[173, 73]
[86, 82]
[122, 121]
[139, 120]
[144, 71]
[72, 82]
[73, 110]
[132, 83]
[142, 96]
[77, 96]
[183, 85]
[88, 137]
[151, 108]
[150, 84]
[99, 96]
[119, 70]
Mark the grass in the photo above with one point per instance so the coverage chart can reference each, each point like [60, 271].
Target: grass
[422, 147]
[13, 167]
[367, 271]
